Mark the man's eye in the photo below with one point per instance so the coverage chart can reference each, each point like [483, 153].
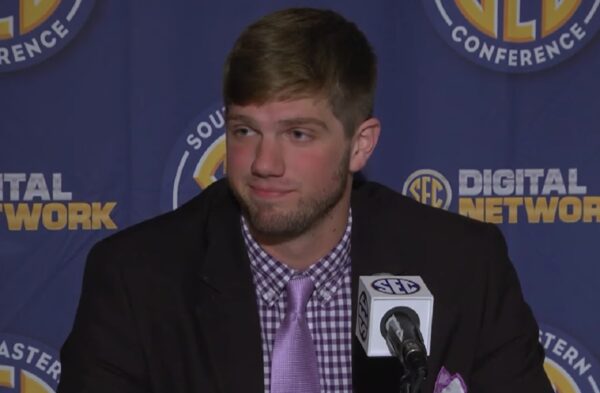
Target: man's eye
[243, 131]
[300, 135]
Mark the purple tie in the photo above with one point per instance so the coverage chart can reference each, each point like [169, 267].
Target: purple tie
[294, 366]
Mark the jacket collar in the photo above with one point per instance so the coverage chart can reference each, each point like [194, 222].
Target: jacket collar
[226, 310]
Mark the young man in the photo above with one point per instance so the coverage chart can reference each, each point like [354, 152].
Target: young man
[206, 298]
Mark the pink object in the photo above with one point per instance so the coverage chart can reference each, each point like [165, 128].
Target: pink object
[449, 383]
[294, 367]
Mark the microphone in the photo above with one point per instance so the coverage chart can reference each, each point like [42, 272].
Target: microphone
[400, 328]
[394, 318]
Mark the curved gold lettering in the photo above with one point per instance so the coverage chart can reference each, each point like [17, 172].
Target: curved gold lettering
[213, 158]
[35, 12]
[515, 30]
[7, 30]
[483, 15]
[556, 13]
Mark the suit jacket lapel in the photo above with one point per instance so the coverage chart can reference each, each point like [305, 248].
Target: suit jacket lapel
[227, 311]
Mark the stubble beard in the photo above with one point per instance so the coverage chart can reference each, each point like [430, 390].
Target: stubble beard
[268, 221]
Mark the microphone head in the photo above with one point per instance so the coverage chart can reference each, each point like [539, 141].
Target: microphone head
[400, 328]
[400, 314]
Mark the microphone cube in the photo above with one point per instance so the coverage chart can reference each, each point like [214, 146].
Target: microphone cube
[381, 293]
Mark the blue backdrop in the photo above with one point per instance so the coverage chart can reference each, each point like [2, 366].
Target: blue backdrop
[110, 113]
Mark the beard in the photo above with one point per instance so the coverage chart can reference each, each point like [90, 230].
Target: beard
[267, 220]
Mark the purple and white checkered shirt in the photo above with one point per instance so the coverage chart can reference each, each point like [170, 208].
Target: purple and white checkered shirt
[329, 310]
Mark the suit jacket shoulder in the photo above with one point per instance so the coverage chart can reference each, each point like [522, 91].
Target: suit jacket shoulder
[161, 303]
[177, 229]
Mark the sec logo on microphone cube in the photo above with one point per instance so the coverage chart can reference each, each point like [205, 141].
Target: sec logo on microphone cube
[363, 316]
[396, 286]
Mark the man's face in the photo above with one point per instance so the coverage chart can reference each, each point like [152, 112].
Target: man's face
[288, 165]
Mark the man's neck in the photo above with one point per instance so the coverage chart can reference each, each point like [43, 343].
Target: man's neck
[302, 251]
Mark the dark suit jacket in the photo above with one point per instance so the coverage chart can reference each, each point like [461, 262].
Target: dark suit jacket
[169, 305]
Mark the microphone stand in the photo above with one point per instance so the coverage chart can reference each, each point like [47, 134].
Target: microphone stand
[410, 382]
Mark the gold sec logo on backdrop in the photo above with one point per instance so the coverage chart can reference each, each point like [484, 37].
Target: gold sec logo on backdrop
[509, 195]
[27, 366]
[429, 187]
[568, 365]
[515, 35]
[196, 160]
[33, 30]
[560, 379]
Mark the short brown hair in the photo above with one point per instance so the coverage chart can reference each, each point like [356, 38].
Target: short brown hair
[303, 51]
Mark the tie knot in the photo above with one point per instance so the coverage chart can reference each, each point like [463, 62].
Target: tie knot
[299, 289]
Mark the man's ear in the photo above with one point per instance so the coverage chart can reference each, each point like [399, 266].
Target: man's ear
[363, 143]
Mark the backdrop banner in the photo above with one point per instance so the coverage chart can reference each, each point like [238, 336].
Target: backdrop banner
[111, 113]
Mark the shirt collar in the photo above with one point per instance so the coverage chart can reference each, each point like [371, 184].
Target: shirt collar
[271, 276]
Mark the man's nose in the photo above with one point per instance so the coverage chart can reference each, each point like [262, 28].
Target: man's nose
[268, 159]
